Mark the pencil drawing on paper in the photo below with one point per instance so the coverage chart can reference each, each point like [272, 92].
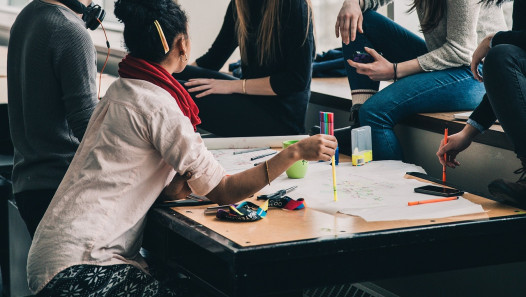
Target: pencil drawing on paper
[356, 187]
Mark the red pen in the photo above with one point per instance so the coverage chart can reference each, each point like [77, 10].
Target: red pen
[445, 159]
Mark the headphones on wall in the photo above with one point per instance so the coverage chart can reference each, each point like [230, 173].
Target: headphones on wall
[91, 14]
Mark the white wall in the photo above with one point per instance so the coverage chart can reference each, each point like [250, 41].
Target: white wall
[325, 13]
[205, 20]
[408, 21]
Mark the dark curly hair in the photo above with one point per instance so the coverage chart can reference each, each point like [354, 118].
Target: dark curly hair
[140, 34]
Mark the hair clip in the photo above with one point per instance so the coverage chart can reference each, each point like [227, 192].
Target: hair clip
[161, 35]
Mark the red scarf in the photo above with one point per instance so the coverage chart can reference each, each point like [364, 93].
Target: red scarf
[131, 67]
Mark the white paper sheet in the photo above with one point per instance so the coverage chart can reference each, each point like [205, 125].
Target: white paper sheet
[249, 142]
[240, 162]
[423, 211]
[376, 191]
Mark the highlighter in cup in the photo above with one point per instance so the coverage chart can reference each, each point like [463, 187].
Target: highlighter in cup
[298, 169]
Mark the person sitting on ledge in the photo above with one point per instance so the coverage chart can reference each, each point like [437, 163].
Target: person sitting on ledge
[504, 67]
[430, 74]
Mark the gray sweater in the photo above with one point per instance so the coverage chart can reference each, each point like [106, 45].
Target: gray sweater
[453, 41]
[51, 71]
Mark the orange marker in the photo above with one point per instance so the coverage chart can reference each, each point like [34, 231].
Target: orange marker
[445, 159]
[431, 201]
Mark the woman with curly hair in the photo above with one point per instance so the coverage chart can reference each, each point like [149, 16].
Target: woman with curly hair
[140, 143]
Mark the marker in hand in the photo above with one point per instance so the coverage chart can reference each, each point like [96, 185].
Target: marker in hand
[445, 159]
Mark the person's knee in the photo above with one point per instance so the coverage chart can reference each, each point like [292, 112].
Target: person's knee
[369, 114]
[501, 66]
[500, 60]
[369, 14]
[364, 115]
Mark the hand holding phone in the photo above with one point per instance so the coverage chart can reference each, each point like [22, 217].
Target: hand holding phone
[438, 191]
[362, 57]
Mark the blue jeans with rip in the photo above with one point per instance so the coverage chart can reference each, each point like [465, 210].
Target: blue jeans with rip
[436, 91]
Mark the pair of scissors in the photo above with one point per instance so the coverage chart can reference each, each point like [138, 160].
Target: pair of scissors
[279, 200]
[277, 194]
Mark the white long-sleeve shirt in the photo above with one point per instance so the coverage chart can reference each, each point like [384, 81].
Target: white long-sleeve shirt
[136, 140]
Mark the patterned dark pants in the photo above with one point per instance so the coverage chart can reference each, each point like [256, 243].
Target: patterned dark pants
[114, 280]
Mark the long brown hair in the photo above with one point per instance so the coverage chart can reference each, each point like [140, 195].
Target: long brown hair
[434, 11]
[269, 32]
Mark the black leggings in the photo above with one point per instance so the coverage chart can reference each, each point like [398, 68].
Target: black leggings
[505, 81]
[32, 205]
[237, 115]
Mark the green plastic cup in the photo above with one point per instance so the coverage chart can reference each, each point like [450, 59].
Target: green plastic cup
[298, 169]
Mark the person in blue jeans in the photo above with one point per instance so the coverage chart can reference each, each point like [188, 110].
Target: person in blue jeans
[429, 76]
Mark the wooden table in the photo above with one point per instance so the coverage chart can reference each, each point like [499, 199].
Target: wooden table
[293, 250]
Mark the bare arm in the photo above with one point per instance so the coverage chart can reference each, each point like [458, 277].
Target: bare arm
[479, 54]
[239, 186]
[456, 143]
[207, 86]
[381, 69]
[408, 68]
[349, 20]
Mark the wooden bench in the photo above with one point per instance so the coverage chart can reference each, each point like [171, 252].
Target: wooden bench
[335, 93]
[331, 92]
[436, 122]
[491, 155]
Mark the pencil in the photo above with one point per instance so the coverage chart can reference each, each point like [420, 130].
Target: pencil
[262, 156]
[445, 159]
[251, 150]
[412, 203]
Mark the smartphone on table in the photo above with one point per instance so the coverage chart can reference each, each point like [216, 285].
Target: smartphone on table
[439, 191]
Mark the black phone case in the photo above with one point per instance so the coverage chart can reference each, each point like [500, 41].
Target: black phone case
[361, 57]
[436, 193]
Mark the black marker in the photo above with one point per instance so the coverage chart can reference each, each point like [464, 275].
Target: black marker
[252, 150]
[262, 156]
